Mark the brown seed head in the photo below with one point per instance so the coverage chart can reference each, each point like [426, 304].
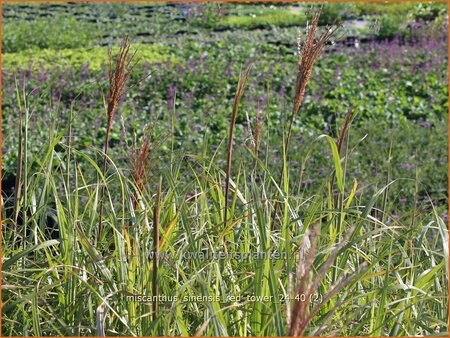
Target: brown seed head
[139, 157]
[308, 53]
[118, 77]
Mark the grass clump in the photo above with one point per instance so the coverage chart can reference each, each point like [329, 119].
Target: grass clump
[95, 58]
[18, 35]
[374, 8]
[180, 246]
[267, 19]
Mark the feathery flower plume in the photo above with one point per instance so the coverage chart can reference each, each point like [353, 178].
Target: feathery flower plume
[139, 157]
[308, 53]
[118, 79]
[306, 285]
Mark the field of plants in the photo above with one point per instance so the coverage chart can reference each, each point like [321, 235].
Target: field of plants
[224, 169]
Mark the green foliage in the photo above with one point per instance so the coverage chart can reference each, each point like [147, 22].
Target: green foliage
[378, 203]
[203, 293]
[429, 11]
[337, 12]
[54, 33]
[391, 26]
[378, 8]
[268, 19]
[95, 58]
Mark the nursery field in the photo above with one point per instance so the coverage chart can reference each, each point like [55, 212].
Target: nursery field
[205, 169]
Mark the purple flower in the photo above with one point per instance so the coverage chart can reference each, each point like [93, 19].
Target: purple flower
[426, 124]
[171, 92]
[406, 166]
[307, 181]
[191, 64]
[357, 172]
[180, 70]
[227, 71]
[282, 93]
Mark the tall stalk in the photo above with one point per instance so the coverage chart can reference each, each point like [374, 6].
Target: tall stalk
[156, 218]
[18, 183]
[237, 99]
[308, 53]
[118, 79]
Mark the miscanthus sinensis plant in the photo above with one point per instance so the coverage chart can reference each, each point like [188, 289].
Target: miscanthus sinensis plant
[91, 247]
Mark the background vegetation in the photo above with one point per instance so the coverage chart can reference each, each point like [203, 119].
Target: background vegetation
[65, 274]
